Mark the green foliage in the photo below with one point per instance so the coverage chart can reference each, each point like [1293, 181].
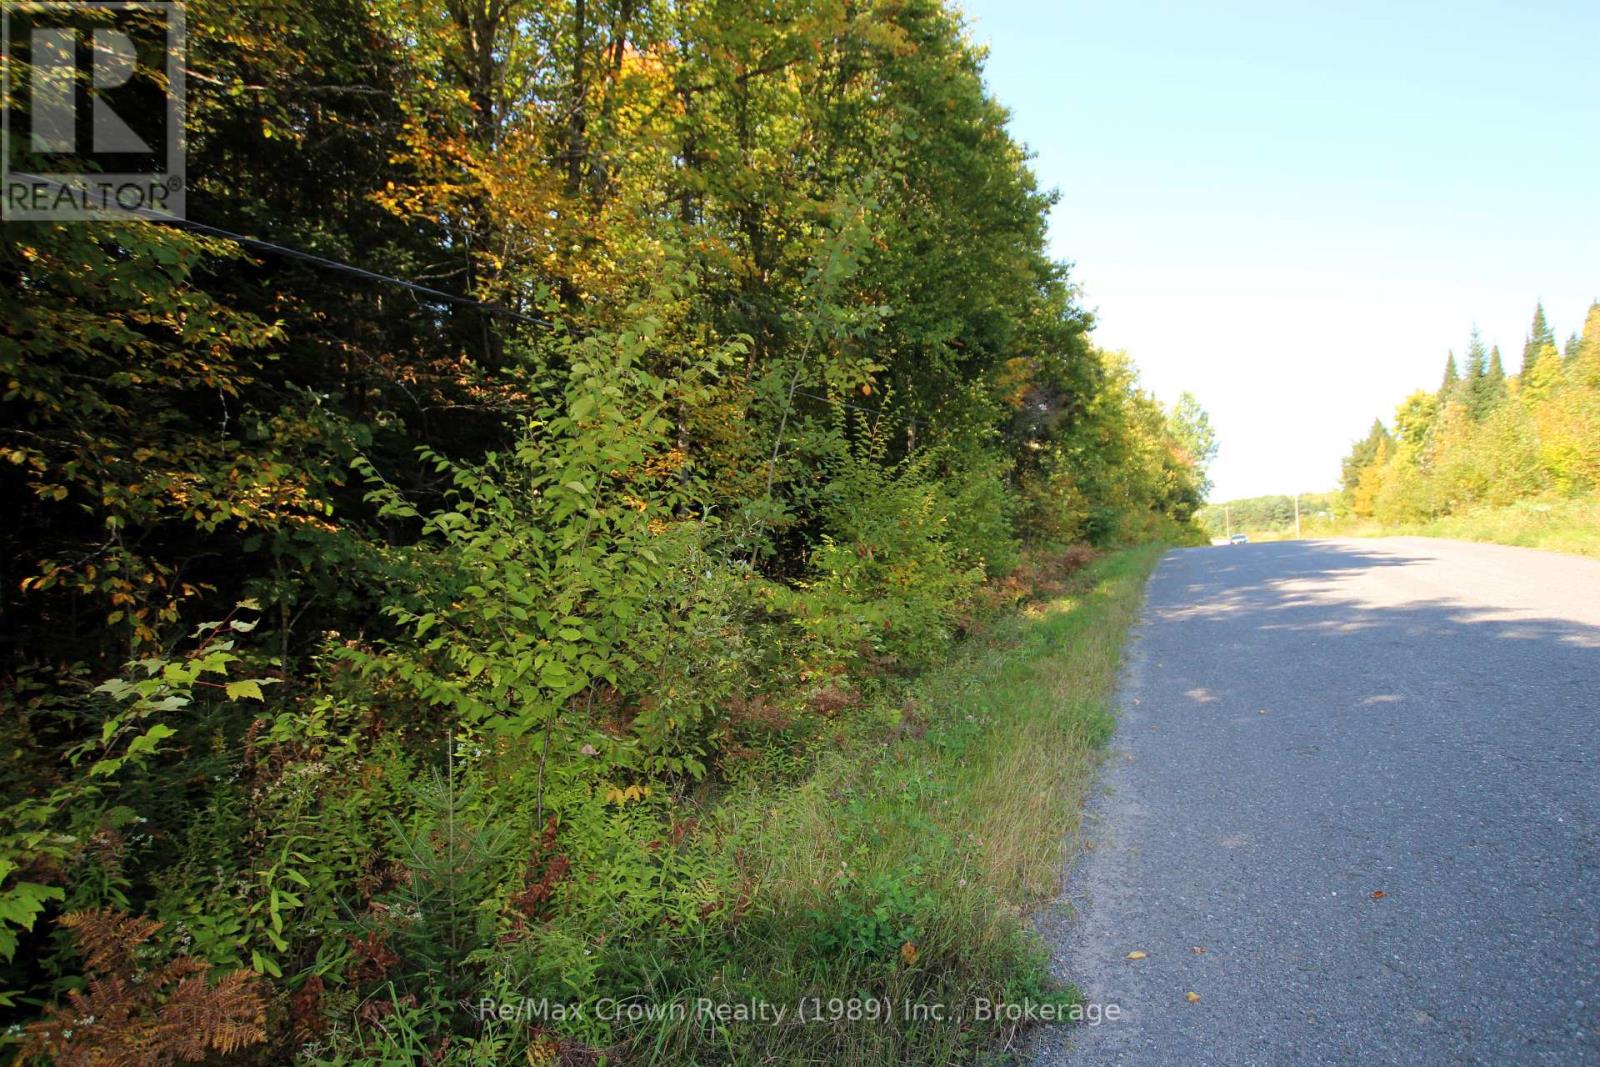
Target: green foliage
[1554, 524]
[456, 853]
[871, 920]
[1541, 343]
[1192, 433]
[1451, 377]
[1586, 360]
[52, 829]
[981, 524]
[558, 567]
[1363, 453]
[541, 616]
[1472, 447]
[1120, 464]
[887, 580]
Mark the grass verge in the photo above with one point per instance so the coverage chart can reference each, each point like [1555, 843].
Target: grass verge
[1560, 524]
[892, 884]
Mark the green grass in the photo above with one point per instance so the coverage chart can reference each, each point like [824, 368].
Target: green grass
[903, 868]
[1559, 524]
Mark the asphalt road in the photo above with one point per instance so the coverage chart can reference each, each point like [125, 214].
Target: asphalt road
[1364, 778]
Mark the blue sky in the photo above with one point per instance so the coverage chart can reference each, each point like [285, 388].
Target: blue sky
[1294, 209]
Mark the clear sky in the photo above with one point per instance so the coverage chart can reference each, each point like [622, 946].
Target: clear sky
[1293, 209]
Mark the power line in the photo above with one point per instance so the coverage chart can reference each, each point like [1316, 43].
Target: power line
[359, 272]
[160, 219]
[876, 412]
[156, 217]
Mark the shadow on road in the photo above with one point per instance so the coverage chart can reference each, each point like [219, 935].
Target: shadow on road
[1365, 777]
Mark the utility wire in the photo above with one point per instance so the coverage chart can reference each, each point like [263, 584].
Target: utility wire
[160, 219]
[875, 412]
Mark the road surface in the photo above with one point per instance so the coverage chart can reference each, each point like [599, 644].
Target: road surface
[1364, 778]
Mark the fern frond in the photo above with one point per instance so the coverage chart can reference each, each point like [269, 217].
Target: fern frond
[167, 1013]
[108, 938]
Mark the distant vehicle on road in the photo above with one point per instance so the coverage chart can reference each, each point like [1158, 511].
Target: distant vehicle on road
[1238, 539]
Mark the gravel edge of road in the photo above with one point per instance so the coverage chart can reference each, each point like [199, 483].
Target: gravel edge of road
[1063, 923]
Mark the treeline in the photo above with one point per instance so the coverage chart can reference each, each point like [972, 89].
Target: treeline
[365, 654]
[1266, 514]
[1486, 436]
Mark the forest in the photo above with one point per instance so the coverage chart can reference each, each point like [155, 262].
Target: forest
[1488, 438]
[1490, 455]
[369, 652]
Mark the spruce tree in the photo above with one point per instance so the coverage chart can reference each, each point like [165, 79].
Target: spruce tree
[1588, 357]
[1497, 367]
[1589, 342]
[1494, 381]
[1477, 357]
[1540, 337]
[1451, 376]
[1474, 388]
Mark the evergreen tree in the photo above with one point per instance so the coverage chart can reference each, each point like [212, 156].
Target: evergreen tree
[1467, 445]
[1540, 337]
[1451, 377]
[1492, 389]
[1477, 356]
[1588, 356]
[1478, 391]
